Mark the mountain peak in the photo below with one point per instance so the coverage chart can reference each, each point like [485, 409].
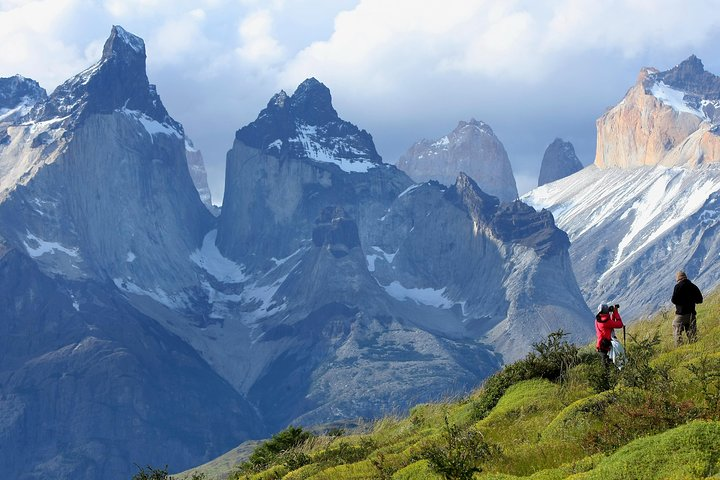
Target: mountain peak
[278, 100]
[691, 65]
[558, 162]
[305, 125]
[478, 124]
[689, 76]
[17, 90]
[118, 81]
[312, 102]
[123, 44]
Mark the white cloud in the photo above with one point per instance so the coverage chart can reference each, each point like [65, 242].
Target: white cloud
[386, 44]
[178, 38]
[258, 45]
[39, 41]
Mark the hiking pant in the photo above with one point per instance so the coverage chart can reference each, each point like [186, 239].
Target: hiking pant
[685, 323]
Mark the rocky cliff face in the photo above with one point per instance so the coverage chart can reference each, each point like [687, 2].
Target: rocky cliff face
[196, 165]
[89, 385]
[471, 148]
[559, 161]
[668, 118]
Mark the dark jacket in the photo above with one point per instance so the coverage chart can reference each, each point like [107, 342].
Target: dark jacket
[685, 296]
[605, 323]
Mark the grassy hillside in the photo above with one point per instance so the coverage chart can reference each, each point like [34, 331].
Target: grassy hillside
[556, 414]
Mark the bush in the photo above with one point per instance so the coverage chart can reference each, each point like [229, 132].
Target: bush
[706, 372]
[551, 359]
[278, 446]
[459, 455]
[160, 474]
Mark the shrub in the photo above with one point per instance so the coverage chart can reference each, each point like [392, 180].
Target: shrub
[459, 454]
[706, 372]
[550, 359]
[160, 474]
[271, 451]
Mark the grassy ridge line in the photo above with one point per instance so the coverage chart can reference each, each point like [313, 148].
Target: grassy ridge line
[659, 419]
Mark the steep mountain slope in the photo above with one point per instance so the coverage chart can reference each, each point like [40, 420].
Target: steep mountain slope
[559, 161]
[95, 196]
[649, 205]
[89, 386]
[471, 148]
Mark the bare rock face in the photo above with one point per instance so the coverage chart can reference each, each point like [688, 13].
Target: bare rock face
[668, 118]
[196, 165]
[471, 148]
[558, 162]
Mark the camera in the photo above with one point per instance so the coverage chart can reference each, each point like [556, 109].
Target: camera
[614, 307]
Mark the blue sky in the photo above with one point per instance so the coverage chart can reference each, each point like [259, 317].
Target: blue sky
[401, 69]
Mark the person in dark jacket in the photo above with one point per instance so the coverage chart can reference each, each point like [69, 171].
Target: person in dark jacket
[606, 321]
[685, 296]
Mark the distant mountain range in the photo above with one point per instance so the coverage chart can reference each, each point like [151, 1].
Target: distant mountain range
[140, 326]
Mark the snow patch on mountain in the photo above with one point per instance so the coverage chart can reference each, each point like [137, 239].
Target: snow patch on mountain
[174, 301]
[37, 247]
[213, 262]
[308, 137]
[674, 99]
[153, 127]
[424, 296]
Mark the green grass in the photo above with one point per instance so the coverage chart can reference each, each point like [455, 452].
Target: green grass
[659, 418]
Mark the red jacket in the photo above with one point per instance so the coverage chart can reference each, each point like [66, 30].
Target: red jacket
[604, 325]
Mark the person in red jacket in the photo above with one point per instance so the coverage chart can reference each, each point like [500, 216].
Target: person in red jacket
[606, 320]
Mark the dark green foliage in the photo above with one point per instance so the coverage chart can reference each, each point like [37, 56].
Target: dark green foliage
[294, 460]
[707, 373]
[152, 473]
[460, 453]
[638, 372]
[600, 377]
[160, 474]
[550, 359]
[281, 443]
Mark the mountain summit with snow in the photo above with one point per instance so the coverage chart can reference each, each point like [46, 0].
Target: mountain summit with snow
[668, 118]
[471, 148]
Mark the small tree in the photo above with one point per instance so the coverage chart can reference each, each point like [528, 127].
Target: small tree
[460, 453]
[268, 452]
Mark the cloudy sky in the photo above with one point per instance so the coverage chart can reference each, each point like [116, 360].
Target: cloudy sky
[401, 69]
